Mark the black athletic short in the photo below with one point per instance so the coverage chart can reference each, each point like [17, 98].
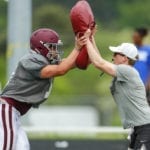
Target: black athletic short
[148, 96]
[140, 137]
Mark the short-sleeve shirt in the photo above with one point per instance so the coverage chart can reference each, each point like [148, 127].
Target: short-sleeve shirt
[25, 84]
[129, 94]
[143, 64]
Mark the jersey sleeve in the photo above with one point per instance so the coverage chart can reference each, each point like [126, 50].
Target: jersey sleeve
[124, 72]
[34, 65]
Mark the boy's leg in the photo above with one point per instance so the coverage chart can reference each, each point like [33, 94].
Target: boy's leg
[11, 133]
[22, 142]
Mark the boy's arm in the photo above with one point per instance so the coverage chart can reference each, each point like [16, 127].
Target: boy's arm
[62, 68]
[67, 64]
[98, 61]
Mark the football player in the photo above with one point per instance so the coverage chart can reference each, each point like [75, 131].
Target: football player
[30, 85]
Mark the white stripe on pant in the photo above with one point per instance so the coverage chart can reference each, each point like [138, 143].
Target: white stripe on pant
[12, 136]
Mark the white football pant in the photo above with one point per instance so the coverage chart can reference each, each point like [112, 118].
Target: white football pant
[12, 136]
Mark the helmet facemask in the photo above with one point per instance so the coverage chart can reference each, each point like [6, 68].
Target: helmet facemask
[55, 53]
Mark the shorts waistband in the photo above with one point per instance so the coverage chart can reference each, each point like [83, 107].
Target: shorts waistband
[22, 107]
[141, 126]
[2, 101]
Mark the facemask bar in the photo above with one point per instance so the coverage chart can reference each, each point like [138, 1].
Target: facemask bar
[54, 52]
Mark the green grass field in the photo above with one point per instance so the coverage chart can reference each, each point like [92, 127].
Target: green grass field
[100, 136]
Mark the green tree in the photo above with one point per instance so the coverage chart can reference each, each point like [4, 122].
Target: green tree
[3, 26]
[134, 14]
[55, 17]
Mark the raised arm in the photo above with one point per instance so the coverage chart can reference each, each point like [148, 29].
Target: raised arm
[98, 61]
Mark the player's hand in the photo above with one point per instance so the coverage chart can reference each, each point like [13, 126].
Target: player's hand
[94, 30]
[87, 34]
[80, 41]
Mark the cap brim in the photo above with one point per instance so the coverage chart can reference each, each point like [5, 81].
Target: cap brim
[114, 49]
